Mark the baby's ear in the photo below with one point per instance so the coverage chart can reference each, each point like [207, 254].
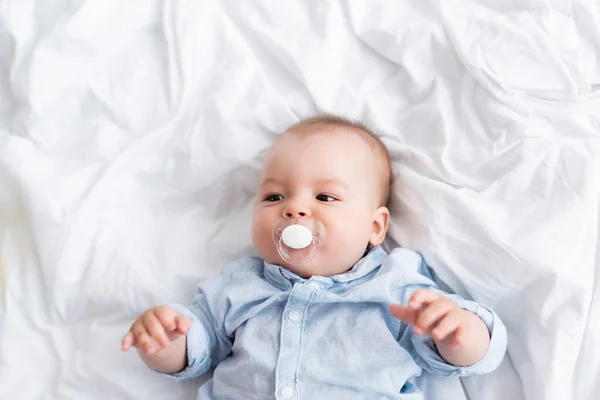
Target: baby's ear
[381, 219]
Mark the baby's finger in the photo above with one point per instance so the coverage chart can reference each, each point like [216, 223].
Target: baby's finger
[422, 297]
[448, 325]
[183, 324]
[127, 341]
[155, 329]
[431, 314]
[404, 314]
[144, 342]
[167, 317]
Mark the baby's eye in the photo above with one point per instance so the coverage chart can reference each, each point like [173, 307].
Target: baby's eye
[274, 197]
[325, 198]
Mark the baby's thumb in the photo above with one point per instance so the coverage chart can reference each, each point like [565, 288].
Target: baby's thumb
[404, 314]
[182, 324]
[127, 341]
[179, 328]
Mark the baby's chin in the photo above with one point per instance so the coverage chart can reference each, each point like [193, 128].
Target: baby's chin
[312, 268]
[304, 269]
[321, 264]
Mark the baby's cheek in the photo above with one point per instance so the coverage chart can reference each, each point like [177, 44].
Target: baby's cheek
[262, 237]
[258, 234]
[346, 244]
[355, 230]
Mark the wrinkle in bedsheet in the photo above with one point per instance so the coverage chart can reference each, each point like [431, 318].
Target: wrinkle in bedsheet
[131, 136]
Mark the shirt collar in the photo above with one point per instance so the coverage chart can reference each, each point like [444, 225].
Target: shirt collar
[284, 278]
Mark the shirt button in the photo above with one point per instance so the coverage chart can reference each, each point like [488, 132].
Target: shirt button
[315, 285]
[294, 316]
[287, 392]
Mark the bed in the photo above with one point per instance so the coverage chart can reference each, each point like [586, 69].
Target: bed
[132, 133]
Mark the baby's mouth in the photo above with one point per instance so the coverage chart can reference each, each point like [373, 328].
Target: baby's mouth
[298, 241]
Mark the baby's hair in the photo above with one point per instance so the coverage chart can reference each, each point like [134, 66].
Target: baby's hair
[367, 134]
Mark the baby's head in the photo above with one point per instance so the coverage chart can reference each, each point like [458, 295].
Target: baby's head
[330, 170]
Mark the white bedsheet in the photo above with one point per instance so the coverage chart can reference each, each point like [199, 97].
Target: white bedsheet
[131, 134]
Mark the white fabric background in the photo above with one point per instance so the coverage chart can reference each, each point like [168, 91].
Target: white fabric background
[131, 134]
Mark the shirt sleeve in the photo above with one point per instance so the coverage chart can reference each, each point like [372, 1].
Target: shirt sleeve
[423, 350]
[207, 341]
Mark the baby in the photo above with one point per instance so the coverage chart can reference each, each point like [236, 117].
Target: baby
[325, 312]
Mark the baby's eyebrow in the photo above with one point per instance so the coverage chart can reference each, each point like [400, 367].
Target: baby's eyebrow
[271, 180]
[321, 182]
[332, 181]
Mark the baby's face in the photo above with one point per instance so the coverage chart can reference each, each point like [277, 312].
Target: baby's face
[331, 177]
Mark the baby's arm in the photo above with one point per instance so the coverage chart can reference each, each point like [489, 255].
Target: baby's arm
[159, 335]
[461, 337]
[185, 342]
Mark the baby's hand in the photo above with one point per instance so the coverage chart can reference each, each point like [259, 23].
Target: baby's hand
[155, 329]
[433, 315]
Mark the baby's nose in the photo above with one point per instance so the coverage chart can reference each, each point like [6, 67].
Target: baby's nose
[296, 211]
[296, 214]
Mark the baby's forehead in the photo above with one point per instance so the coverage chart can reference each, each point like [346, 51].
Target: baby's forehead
[330, 142]
[343, 140]
[338, 133]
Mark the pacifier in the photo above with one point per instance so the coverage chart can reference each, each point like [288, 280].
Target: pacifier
[298, 240]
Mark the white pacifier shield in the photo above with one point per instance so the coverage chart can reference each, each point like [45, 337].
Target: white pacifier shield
[297, 236]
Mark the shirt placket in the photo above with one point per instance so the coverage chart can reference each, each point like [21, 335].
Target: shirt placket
[291, 340]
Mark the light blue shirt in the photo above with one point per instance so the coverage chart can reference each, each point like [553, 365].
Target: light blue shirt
[272, 334]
